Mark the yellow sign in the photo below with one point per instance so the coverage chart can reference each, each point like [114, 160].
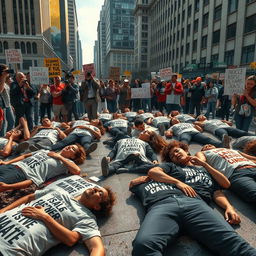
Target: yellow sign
[76, 72]
[253, 65]
[54, 66]
[127, 73]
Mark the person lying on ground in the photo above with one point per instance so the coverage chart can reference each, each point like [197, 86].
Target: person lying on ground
[183, 118]
[238, 167]
[186, 132]
[220, 128]
[39, 166]
[175, 196]
[144, 116]
[83, 133]
[43, 135]
[130, 115]
[35, 223]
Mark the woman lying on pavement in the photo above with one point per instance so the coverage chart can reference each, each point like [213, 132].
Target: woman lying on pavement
[220, 128]
[187, 132]
[137, 151]
[183, 118]
[82, 133]
[39, 221]
[39, 166]
[238, 167]
[175, 195]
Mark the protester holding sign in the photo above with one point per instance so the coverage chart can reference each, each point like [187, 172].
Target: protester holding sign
[245, 104]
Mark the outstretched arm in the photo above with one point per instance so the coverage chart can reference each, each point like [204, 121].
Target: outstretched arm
[18, 185]
[95, 246]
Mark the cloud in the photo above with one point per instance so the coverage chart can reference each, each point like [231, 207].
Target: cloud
[88, 16]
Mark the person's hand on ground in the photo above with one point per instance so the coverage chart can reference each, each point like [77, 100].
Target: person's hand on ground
[231, 216]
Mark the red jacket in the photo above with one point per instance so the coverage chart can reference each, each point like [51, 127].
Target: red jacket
[178, 88]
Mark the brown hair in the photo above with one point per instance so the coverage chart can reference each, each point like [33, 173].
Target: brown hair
[165, 152]
[2, 68]
[80, 155]
[157, 142]
[250, 148]
[107, 205]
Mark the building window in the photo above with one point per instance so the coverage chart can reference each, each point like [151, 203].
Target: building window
[215, 58]
[250, 1]
[182, 33]
[27, 64]
[248, 54]
[204, 42]
[188, 29]
[231, 31]
[217, 12]
[34, 48]
[250, 24]
[206, 2]
[6, 45]
[197, 5]
[195, 26]
[229, 57]
[203, 60]
[189, 10]
[35, 63]
[4, 17]
[205, 19]
[1, 47]
[16, 45]
[32, 15]
[232, 5]
[216, 37]
[194, 45]
[28, 47]
[187, 48]
[22, 47]
[27, 17]
[21, 17]
[181, 51]
[15, 16]
[144, 19]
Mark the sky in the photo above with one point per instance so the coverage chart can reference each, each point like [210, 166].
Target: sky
[88, 14]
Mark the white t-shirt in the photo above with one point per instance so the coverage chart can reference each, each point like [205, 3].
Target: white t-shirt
[105, 117]
[118, 123]
[180, 128]
[145, 116]
[185, 118]
[20, 235]
[40, 167]
[56, 124]
[85, 132]
[160, 119]
[50, 134]
[80, 123]
[226, 160]
[212, 125]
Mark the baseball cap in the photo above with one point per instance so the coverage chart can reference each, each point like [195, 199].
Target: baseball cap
[126, 80]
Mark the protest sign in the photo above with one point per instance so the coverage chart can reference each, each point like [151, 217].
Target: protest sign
[140, 93]
[89, 68]
[114, 73]
[234, 81]
[79, 78]
[166, 74]
[39, 75]
[13, 56]
[54, 66]
[145, 85]
[76, 72]
[222, 76]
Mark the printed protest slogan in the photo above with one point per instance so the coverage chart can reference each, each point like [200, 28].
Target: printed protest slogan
[234, 81]
[54, 66]
[39, 75]
[13, 56]
[166, 74]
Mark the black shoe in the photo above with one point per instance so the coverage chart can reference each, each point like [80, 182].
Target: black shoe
[161, 129]
[129, 130]
[91, 148]
[122, 170]
[105, 166]
[107, 142]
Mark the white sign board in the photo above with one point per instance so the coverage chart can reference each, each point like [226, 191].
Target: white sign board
[39, 75]
[145, 85]
[13, 56]
[79, 78]
[140, 93]
[222, 76]
[166, 74]
[234, 81]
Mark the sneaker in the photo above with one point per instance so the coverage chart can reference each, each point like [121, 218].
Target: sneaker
[22, 147]
[226, 141]
[91, 148]
[122, 170]
[105, 166]
[161, 130]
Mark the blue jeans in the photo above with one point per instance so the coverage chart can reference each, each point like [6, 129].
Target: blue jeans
[211, 107]
[166, 219]
[231, 131]
[146, 105]
[9, 121]
[112, 106]
[243, 122]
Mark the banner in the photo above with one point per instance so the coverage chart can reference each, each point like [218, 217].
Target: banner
[13, 56]
[114, 73]
[140, 93]
[89, 68]
[39, 75]
[79, 78]
[166, 74]
[234, 81]
[54, 66]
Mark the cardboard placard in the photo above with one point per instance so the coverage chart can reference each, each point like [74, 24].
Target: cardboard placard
[234, 81]
[39, 75]
[13, 56]
[140, 93]
[114, 73]
[166, 74]
[54, 66]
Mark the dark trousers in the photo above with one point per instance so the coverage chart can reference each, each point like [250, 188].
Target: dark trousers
[161, 106]
[231, 131]
[165, 125]
[166, 218]
[199, 138]
[243, 122]
[91, 107]
[25, 110]
[84, 140]
[11, 174]
[195, 105]
[243, 183]
[172, 107]
[72, 108]
[118, 131]
[138, 166]
[45, 108]
[112, 106]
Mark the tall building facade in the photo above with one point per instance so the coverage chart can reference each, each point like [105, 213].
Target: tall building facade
[201, 36]
[27, 25]
[80, 53]
[116, 35]
[73, 33]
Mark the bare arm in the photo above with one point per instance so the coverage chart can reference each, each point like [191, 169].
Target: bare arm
[19, 158]
[20, 201]
[18, 185]
[230, 214]
[253, 158]
[26, 132]
[62, 135]
[95, 246]
[198, 128]
[201, 156]
[7, 150]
